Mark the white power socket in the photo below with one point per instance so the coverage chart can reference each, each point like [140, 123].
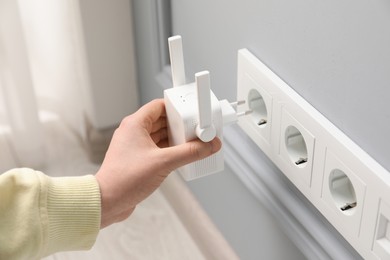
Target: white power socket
[193, 111]
[342, 181]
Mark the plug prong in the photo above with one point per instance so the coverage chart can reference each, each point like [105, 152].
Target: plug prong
[301, 161]
[244, 113]
[348, 206]
[237, 103]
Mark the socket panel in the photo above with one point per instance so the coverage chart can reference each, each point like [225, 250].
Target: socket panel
[342, 181]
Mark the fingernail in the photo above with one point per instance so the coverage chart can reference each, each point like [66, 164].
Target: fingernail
[215, 145]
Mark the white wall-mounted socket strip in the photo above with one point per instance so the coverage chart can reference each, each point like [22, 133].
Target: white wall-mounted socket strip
[341, 180]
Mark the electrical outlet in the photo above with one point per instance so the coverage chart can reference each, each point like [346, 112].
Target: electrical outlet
[253, 88]
[343, 192]
[296, 148]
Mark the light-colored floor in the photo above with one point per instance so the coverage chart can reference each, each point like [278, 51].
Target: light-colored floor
[153, 231]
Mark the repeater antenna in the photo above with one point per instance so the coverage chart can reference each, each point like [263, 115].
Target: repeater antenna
[205, 129]
[177, 60]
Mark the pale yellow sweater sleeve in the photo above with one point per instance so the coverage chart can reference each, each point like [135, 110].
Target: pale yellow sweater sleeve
[40, 215]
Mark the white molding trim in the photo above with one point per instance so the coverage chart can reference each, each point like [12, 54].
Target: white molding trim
[301, 222]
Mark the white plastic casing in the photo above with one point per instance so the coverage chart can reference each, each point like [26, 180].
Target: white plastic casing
[181, 105]
[193, 111]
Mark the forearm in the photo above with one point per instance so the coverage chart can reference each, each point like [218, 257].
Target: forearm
[40, 215]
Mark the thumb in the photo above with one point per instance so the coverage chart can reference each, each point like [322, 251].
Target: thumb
[177, 156]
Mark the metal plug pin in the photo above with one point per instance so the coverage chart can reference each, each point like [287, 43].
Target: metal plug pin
[244, 113]
[348, 206]
[237, 103]
[262, 122]
[300, 161]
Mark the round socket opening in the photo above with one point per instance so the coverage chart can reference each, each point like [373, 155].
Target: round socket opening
[296, 146]
[257, 105]
[342, 191]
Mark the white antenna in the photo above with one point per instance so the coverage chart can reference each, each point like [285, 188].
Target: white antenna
[205, 129]
[177, 60]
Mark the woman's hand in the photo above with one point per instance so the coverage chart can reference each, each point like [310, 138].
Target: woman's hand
[139, 159]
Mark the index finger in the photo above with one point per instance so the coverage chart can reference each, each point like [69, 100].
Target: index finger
[151, 112]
